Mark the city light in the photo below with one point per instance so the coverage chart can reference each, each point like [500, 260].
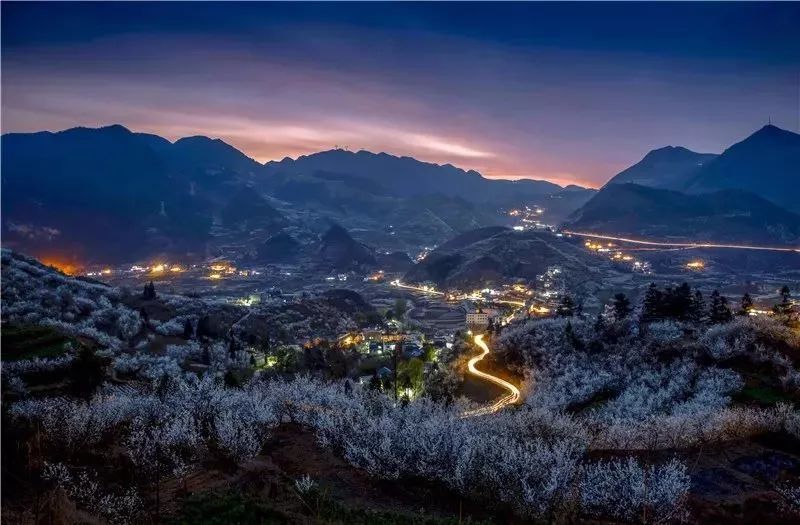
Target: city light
[696, 265]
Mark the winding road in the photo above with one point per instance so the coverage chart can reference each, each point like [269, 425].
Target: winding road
[511, 398]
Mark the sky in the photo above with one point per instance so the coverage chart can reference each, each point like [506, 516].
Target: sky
[571, 93]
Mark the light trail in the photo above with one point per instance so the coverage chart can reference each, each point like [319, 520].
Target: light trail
[513, 395]
[683, 244]
[430, 290]
[398, 284]
[511, 398]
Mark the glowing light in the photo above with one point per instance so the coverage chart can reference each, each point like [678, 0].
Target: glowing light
[511, 398]
[684, 244]
[215, 276]
[696, 265]
[176, 269]
[158, 268]
[61, 265]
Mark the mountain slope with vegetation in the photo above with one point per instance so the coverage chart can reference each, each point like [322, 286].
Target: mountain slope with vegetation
[495, 255]
[729, 215]
[111, 195]
[667, 168]
[766, 163]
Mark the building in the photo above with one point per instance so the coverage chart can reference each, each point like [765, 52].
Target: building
[477, 319]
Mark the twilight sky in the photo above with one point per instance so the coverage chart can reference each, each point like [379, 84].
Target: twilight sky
[569, 92]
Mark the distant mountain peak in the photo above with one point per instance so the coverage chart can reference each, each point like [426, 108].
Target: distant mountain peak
[671, 150]
[336, 232]
[766, 163]
[117, 128]
[110, 130]
[771, 132]
[669, 167]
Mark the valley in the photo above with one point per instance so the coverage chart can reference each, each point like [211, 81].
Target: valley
[400, 263]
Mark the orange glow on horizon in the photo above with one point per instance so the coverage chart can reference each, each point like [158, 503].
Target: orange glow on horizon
[62, 265]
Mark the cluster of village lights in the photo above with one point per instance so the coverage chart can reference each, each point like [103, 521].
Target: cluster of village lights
[217, 270]
[617, 255]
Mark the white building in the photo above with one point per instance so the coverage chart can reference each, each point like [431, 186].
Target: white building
[477, 319]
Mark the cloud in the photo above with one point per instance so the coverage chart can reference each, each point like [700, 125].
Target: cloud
[444, 146]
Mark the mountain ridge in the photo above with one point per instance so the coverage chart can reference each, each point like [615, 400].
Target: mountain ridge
[669, 167]
[770, 154]
[724, 215]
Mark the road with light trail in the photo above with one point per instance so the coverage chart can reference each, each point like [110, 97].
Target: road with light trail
[512, 397]
[682, 244]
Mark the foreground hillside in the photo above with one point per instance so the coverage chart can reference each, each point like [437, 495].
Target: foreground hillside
[134, 414]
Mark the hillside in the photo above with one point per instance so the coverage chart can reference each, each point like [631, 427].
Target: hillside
[493, 255]
[667, 168]
[341, 252]
[729, 215]
[111, 195]
[766, 163]
[405, 176]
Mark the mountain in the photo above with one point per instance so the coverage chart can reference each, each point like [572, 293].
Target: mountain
[110, 195]
[405, 176]
[371, 193]
[667, 168]
[280, 248]
[726, 215]
[210, 155]
[394, 262]
[248, 210]
[340, 251]
[766, 163]
[493, 255]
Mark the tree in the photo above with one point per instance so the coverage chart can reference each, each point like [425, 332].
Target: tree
[599, 324]
[680, 302]
[400, 307]
[652, 305]
[86, 372]
[375, 384]
[572, 337]
[745, 304]
[204, 327]
[719, 311]
[698, 309]
[149, 292]
[188, 329]
[566, 307]
[622, 307]
[785, 306]
[411, 374]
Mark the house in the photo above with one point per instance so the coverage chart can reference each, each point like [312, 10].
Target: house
[477, 319]
[412, 350]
